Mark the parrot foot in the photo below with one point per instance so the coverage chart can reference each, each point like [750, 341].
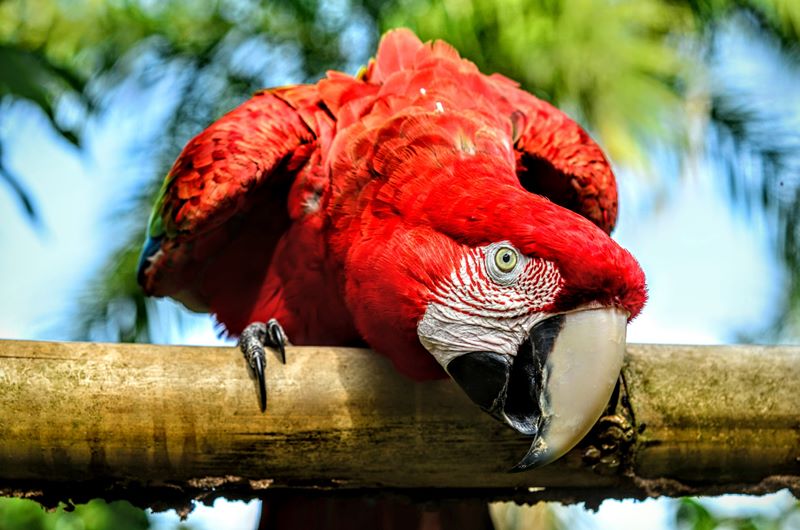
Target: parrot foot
[252, 342]
[606, 449]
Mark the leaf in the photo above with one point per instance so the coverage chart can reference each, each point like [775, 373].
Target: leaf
[28, 75]
[20, 193]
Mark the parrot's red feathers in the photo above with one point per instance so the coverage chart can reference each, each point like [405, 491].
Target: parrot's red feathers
[334, 207]
[555, 156]
[223, 207]
[557, 159]
[397, 51]
[218, 170]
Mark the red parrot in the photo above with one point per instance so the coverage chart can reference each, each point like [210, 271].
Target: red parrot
[445, 218]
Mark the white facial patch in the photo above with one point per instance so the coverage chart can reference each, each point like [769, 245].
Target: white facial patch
[475, 310]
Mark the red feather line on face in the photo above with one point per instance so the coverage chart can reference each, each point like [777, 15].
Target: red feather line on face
[470, 290]
[339, 207]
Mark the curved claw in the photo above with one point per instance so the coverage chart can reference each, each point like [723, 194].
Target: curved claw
[258, 368]
[251, 343]
[277, 338]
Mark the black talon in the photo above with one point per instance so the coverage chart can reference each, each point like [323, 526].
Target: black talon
[277, 338]
[262, 382]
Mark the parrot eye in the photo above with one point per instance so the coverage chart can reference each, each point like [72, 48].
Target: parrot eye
[505, 259]
[502, 262]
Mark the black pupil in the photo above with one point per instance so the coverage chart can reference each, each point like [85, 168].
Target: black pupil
[506, 257]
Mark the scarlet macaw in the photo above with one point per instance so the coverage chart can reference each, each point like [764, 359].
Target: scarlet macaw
[448, 219]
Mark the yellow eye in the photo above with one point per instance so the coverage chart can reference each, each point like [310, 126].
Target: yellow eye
[506, 259]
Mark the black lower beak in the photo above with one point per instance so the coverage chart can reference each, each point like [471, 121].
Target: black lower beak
[483, 375]
[513, 389]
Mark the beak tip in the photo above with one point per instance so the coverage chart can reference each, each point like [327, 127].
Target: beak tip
[537, 456]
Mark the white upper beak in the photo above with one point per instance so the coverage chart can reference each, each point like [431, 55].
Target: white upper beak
[581, 372]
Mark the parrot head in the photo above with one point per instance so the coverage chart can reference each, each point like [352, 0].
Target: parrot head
[531, 319]
[522, 301]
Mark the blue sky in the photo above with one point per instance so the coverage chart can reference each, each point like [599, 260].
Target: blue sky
[710, 270]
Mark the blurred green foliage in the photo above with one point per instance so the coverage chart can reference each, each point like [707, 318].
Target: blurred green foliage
[21, 514]
[609, 63]
[694, 514]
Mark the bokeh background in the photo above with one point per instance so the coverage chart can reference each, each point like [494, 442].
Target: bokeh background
[696, 102]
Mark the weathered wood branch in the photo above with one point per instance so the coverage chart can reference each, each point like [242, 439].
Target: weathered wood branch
[162, 424]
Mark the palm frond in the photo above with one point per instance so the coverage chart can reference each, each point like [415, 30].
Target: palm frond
[754, 136]
[19, 192]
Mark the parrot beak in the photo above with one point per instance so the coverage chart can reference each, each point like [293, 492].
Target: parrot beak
[557, 385]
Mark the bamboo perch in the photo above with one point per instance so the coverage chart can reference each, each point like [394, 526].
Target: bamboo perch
[160, 425]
